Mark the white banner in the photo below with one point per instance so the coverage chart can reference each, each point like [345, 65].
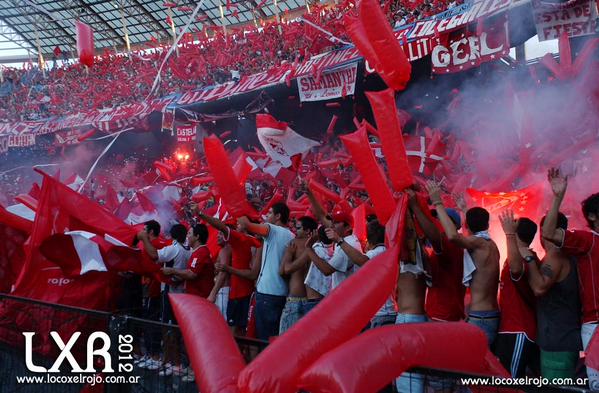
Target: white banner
[576, 18]
[186, 133]
[328, 85]
[21, 140]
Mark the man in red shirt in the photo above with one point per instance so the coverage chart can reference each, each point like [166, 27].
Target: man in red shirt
[515, 343]
[585, 246]
[445, 298]
[199, 275]
[242, 275]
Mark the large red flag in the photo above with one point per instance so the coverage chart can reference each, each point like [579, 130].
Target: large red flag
[85, 43]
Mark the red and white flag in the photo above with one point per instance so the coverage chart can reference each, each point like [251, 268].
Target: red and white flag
[279, 141]
[80, 252]
[423, 156]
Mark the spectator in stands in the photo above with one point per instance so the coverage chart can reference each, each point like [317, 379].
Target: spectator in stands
[554, 281]
[222, 283]
[271, 288]
[515, 344]
[294, 268]
[243, 274]
[317, 283]
[584, 245]
[481, 263]
[177, 256]
[152, 301]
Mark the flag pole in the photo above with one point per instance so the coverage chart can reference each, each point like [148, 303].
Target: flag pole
[169, 13]
[222, 18]
[124, 24]
[40, 57]
[277, 17]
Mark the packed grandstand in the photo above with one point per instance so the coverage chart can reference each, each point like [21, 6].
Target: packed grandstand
[348, 196]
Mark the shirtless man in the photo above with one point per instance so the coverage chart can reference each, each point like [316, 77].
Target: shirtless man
[481, 263]
[305, 228]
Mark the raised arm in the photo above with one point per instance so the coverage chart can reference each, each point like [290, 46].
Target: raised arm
[354, 255]
[142, 236]
[320, 263]
[214, 222]
[448, 226]
[256, 229]
[542, 277]
[516, 261]
[431, 231]
[559, 185]
[317, 209]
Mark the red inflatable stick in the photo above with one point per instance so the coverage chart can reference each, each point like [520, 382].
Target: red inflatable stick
[339, 317]
[85, 43]
[14, 221]
[357, 33]
[394, 228]
[214, 355]
[85, 136]
[242, 168]
[399, 348]
[276, 198]
[372, 175]
[389, 127]
[229, 188]
[197, 181]
[395, 69]
[359, 214]
[323, 191]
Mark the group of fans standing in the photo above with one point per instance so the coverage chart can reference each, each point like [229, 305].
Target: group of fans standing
[537, 314]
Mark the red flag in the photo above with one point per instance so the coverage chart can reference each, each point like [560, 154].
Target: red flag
[423, 156]
[145, 202]
[524, 202]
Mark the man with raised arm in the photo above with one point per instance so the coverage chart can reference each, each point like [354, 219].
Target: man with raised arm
[242, 273]
[271, 288]
[515, 344]
[481, 262]
[583, 245]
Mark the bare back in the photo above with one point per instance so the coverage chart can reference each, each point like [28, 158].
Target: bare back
[485, 279]
[297, 288]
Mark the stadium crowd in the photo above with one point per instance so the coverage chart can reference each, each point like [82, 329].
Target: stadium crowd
[117, 78]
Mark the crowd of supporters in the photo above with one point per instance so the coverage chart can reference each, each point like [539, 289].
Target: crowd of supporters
[204, 58]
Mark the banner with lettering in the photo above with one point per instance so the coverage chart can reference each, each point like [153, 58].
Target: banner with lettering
[460, 51]
[21, 140]
[575, 17]
[328, 85]
[186, 133]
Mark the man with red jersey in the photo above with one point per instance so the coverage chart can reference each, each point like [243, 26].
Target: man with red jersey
[583, 245]
[242, 284]
[199, 274]
[515, 344]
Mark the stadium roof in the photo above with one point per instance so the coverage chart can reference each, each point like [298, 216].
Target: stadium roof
[22, 22]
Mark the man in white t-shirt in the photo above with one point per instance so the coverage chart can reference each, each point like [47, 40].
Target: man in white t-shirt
[271, 288]
[340, 266]
[317, 283]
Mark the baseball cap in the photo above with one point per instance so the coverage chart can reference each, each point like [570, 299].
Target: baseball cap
[343, 216]
[455, 217]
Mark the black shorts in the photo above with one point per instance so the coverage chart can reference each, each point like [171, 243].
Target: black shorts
[237, 311]
[516, 353]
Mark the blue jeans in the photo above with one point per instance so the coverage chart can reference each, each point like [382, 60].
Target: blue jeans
[382, 320]
[410, 382]
[268, 315]
[292, 312]
[308, 305]
[487, 321]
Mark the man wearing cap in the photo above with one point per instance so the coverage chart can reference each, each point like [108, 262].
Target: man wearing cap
[340, 266]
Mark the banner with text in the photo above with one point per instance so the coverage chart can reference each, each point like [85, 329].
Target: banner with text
[334, 84]
[575, 18]
[460, 51]
[3, 144]
[186, 133]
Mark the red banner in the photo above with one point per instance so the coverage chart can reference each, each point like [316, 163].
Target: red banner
[186, 133]
[461, 51]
